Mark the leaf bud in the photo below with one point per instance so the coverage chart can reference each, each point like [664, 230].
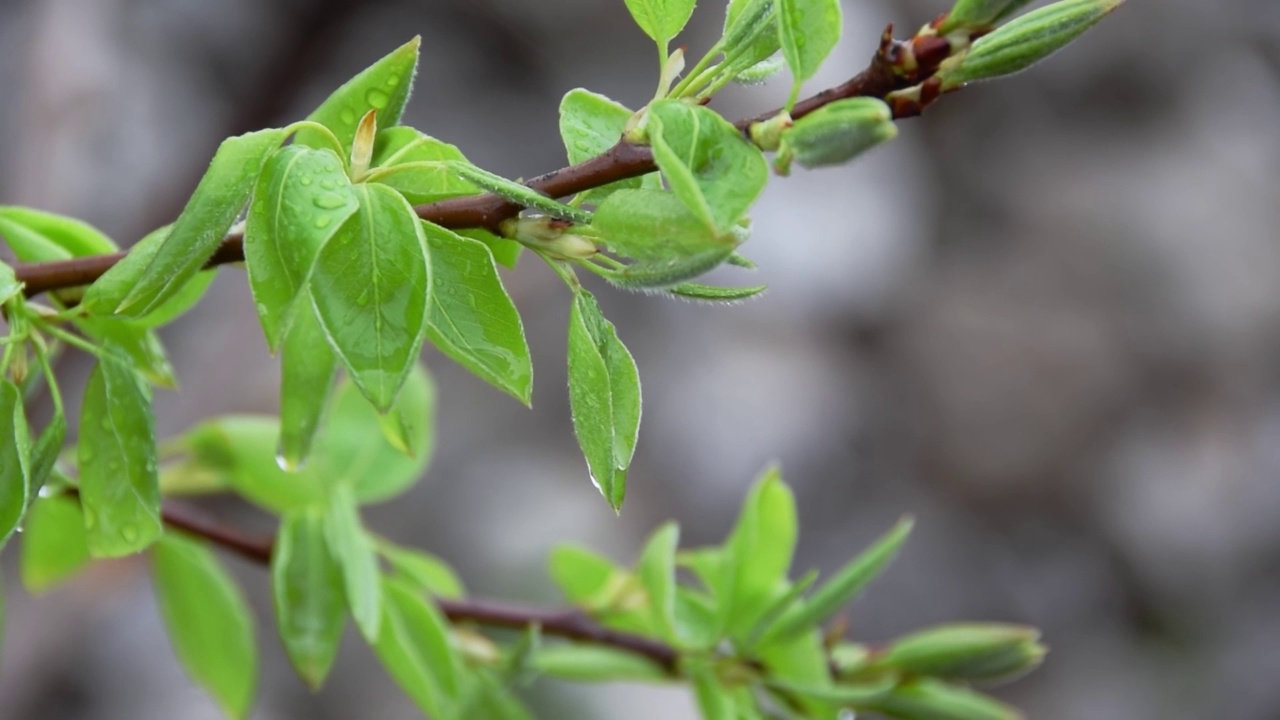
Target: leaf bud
[1024, 41]
[978, 14]
[969, 651]
[835, 134]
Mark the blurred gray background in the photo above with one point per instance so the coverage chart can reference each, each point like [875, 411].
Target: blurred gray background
[1046, 321]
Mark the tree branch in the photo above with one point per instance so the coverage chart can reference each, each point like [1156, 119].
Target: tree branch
[619, 162]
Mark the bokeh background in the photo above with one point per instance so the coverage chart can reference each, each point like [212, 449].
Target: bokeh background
[1045, 320]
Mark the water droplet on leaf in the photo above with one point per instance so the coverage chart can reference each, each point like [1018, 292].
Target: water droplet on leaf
[377, 98]
[129, 533]
[329, 201]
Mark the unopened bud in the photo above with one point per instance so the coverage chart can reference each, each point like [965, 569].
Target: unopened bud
[835, 134]
[767, 135]
[927, 699]
[1024, 41]
[979, 14]
[970, 652]
[550, 236]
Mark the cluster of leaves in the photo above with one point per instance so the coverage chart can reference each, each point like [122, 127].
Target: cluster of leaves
[349, 283]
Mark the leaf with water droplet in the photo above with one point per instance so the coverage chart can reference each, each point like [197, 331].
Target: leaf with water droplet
[415, 165]
[208, 620]
[590, 124]
[482, 330]
[655, 226]
[352, 548]
[371, 89]
[141, 346]
[604, 396]
[209, 214]
[15, 460]
[116, 426]
[710, 166]
[307, 369]
[283, 234]
[381, 250]
[307, 593]
[54, 545]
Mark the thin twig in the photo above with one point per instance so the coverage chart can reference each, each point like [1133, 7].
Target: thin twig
[619, 162]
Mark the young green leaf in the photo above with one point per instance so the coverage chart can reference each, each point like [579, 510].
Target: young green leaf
[307, 370]
[1024, 41]
[928, 699]
[655, 226]
[217, 201]
[587, 579]
[208, 620]
[384, 86]
[106, 293]
[657, 571]
[119, 487]
[178, 304]
[979, 14]
[604, 395]
[353, 549]
[413, 163]
[472, 319]
[415, 649]
[590, 124]
[808, 31]
[846, 584]
[661, 20]
[15, 460]
[971, 652]
[10, 288]
[370, 288]
[758, 552]
[519, 193]
[750, 33]
[505, 250]
[715, 701]
[45, 451]
[711, 167]
[35, 236]
[422, 570]
[53, 543]
[301, 199]
[307, 592]
[595, 663]
[835, 134]
[800, 661]
[842, 695]
[139, 345]
[662, 274]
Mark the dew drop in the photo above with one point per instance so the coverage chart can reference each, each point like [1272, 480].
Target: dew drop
[105, 423]
[347, 115]
[262, 309]
[328, 184]
[363, 299]
[287, 464]
[329, 201]
[90, 519]
[305, 180]
[129, 533]
[377, 98]
[393, 81]
[323, 222]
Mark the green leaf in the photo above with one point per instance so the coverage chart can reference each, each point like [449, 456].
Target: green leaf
[119, 487]
[808, 31]
[415, 649]
[927, 699]
[357, 454]
[604, 395]
[307, 592]
[105, 294]
[595, 663]
[422, 570]
[133, 344]
[241, 449]
[661, 20]
[370, 288]
[15, 460]
[657, 571]
[505, 251]
[587, 579]
[590, 124]
[353, 550]
[209, 214]
[301, 199]
[750, 33]
[489, 698]
[307, 370]
[472, 319]
[35, 236]
[835, 134]
[711, 293]
[761, 72]
[715, 171]
[842, 695]
[412, 163]
[385, 85]
[655, 226]
[846, 584]
[758, 552]
[697, 621]
[519, 193]
[53, 543]
[715, 701]
[179, 303]
[9, 285]
[208, 620]
[979, 14]
[801, 661]
[1024, 41]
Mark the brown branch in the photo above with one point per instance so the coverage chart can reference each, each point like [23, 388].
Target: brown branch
[619, 162]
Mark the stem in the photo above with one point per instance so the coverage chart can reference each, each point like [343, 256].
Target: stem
[620, 162]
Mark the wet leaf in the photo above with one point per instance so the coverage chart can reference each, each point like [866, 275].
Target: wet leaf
[415, 649]
[308, 596]
[15, 460]
[353, 549]
[53, 543]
